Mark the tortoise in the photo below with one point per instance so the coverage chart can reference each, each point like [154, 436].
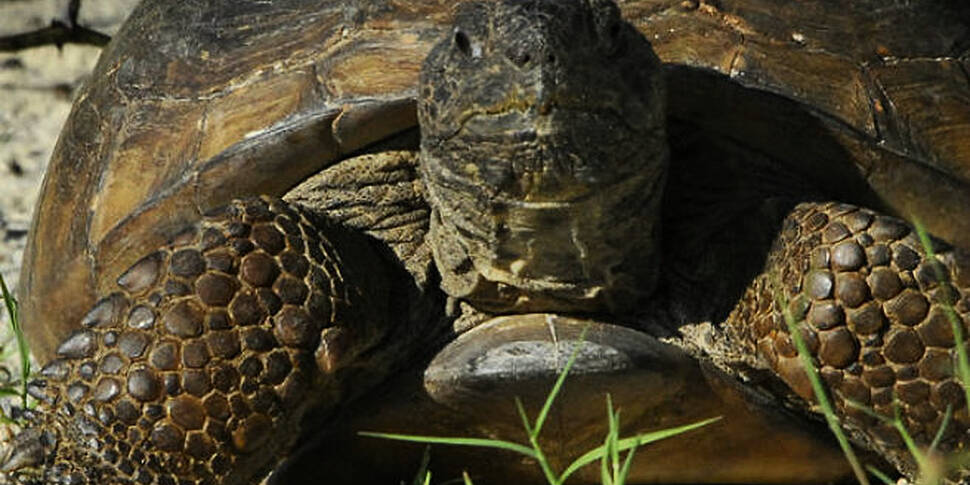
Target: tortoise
[191, 327]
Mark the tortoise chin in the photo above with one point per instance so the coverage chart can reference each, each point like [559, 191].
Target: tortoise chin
[532, 214]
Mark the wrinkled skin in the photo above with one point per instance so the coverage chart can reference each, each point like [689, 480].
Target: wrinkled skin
[544, 162]
[543, 153]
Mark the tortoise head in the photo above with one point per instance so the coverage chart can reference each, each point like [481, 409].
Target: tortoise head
[544, 156]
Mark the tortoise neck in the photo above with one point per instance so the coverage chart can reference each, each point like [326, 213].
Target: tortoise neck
[596, 253]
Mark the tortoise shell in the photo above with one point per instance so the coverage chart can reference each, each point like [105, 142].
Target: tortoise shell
[256, 98]
[193, 105]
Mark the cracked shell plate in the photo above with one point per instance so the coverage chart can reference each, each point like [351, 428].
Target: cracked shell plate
[194, 104]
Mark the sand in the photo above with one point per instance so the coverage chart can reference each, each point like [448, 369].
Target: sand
[36, 89]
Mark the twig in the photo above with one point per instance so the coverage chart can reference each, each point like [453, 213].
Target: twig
[59, 32]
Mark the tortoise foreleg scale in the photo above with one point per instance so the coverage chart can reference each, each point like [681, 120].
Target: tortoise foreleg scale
[871, 306]
[210, 353]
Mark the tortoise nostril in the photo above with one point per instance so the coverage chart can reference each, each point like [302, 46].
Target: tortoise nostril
[463, 43]
[615, 43]
[518, 57]
[522, 58]
[615, 31]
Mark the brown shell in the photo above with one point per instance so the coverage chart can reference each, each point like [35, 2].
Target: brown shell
[196, 103]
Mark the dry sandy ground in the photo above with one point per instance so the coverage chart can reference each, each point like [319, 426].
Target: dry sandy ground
[36, 88]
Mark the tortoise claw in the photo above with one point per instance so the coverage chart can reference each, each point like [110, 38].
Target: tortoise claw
[26, 451]
[211, 349]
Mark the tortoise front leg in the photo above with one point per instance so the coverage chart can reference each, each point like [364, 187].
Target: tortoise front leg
[870, 304]
[201, 368]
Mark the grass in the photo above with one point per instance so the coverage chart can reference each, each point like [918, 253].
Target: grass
[963, 362]
[613, 468]
[15, 389]
[932, 468]
[805, 357]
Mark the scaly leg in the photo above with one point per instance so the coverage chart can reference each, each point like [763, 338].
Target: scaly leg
[869, 302]
[203, 364]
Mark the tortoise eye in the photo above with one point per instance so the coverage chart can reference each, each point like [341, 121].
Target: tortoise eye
[462, 43]
[615, 43]
[615, 31]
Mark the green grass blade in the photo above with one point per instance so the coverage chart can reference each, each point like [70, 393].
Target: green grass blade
[914, 450]
[423, 471]
[544, 412]
[466, 478]
[634, 441]
[525, 417]
[537, 453]
[619, 472]
[608, 444]
[613, 435]
[625, 471]
[963, 361]
[544, 463]
[939, 432]
[540, 457]
[870, 412]
[805, 357]
[458, 480]
[959, 460]
[880, 475]
[445, 440]
[609, 451]
[7, 391]
[9, 300]
[930, 469]
[13, 313]
[604, 469]
[6, 353]
[604, 473]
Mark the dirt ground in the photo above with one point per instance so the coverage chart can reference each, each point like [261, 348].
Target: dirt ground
[36, 89]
